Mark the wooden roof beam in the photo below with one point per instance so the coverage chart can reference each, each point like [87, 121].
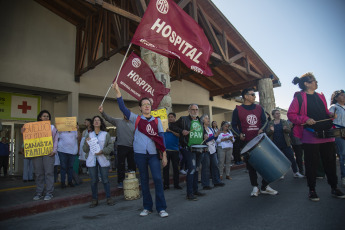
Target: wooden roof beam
[183, 3]
[230, 89]
[224, 75]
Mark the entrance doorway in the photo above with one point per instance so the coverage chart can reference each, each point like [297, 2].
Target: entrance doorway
[12, 132]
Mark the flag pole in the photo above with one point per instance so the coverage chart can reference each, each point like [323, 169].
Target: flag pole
[111, 85]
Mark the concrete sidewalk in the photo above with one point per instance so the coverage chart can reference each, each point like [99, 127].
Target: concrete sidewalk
[16, 196]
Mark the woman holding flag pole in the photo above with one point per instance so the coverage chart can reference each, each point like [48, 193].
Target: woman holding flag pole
[148, 137]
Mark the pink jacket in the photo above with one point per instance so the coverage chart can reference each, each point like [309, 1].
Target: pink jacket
[299, 119]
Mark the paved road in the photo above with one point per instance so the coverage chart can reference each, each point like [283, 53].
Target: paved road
[229, 207]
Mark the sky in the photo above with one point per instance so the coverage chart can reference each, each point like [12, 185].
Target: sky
[294, 37]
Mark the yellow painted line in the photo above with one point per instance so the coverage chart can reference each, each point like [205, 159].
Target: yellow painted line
[34, 186]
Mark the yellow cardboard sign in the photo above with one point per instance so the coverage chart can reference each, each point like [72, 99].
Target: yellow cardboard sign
[162, 114]
[66, 124]
[38, 139]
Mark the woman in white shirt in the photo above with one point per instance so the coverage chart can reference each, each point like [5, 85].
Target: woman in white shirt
[225, 142]
[98, 160]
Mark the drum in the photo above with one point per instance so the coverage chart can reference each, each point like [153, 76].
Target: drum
[338, 132]
[199, 148]
[266, 158]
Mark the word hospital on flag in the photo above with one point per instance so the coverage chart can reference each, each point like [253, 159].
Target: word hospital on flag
[166, 29]
[38, 139]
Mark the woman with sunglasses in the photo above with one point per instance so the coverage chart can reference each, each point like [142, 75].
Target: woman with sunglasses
[308, 111]
[148, 137]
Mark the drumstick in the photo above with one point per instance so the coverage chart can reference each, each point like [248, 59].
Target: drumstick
[320, 120]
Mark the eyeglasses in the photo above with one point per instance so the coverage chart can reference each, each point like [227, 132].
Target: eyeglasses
[145, 104]
[251, 94]
[194, 109]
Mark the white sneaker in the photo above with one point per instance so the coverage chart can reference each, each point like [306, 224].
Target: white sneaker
[255, 192]
[343, 181]
[269, 191]
[163, 214]
[298, 175]
[145, 212]
[183, 172]
[48, 197]
[282, 177]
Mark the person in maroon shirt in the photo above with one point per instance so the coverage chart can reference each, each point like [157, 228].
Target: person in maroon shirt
[248, 121]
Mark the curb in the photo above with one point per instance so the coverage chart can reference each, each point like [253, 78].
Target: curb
[58, 203]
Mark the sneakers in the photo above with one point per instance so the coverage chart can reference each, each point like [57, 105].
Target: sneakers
[297, 175]
[268, 190]
[228, 178]
[178, 187]
[120, 185]
[146, 212]
[337, 193]
[48, 197]
[219, 184]
[110, 202]
[313, 196]
[255, 192]
[207, 188]
[191, 197]
[37, 197]
[163, 214]
[93, 204]
[165, 187]
[199, 194]
[282, 177]
[183, 172]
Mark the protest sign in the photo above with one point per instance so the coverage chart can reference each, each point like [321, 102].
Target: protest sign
[162, 114]
[38, 139]
[66, 124]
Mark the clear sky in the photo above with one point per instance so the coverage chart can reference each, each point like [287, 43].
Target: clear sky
[294, 37]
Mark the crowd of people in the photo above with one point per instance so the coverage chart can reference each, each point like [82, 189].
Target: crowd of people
[308, 137]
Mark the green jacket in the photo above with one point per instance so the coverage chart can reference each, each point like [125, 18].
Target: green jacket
[286, 131]
[107, 149]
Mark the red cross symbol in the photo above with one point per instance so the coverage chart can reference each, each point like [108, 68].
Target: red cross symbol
[24, 107]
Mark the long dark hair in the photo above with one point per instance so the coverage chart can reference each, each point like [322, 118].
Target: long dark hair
[335, 95]
[103, 127]
[41, 113]
[213, 123]
[307, 77]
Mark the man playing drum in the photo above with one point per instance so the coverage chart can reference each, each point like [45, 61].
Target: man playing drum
[191, 130]
[248, 121]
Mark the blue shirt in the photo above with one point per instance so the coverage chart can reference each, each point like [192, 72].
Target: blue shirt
[171, 141]
[142, 144]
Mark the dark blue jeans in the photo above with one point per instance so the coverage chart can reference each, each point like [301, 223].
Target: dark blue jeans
[209, 163]
[144, 161]
[193, 161]
[66, 164]
[93, 172]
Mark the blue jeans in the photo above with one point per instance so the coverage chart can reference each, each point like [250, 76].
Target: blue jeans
[289, 155]
[93, 172]
[340, 142]
[28, 171]
[209, 163]
[66, 164]
[144, 161]
[193, 161]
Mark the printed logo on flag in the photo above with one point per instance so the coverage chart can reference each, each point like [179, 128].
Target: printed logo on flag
[162, 6]
[136, 62]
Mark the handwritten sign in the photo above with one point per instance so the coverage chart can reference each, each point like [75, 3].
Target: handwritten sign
[38, 139]
[162, 114]
[66, 124]
[94, 146]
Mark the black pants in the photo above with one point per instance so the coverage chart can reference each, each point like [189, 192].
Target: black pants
[254, 177]
[124, 152]
[172, 156]
[4, 164]
[299, 157]
[238, 145]
[312, 155]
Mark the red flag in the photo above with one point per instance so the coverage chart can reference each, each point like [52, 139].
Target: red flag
[137, 79]
[168, 30]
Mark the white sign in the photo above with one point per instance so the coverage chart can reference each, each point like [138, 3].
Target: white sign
[94, 146]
